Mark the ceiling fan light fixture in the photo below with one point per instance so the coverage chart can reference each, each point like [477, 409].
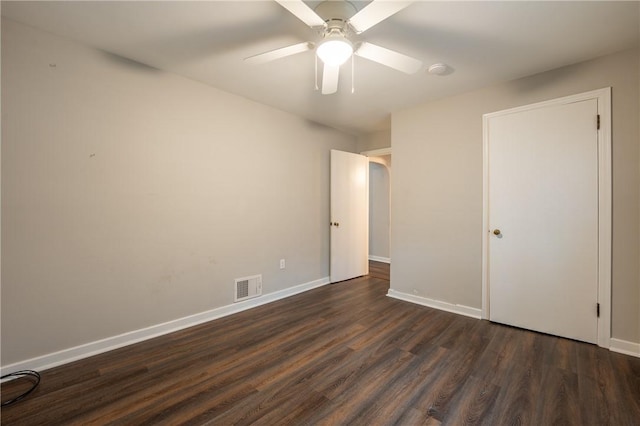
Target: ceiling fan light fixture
[335, 51]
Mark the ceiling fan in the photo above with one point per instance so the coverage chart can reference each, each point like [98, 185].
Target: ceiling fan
[339, 23]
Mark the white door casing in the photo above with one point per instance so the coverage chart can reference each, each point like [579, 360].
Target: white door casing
[349, 220]
[549, 193]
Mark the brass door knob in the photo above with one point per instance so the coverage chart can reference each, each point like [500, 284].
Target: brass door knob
[496, 232]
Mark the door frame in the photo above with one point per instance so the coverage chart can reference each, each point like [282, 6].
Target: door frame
[603, 97]
[376, 152]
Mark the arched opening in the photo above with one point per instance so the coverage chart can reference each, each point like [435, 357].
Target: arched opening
[379, 211]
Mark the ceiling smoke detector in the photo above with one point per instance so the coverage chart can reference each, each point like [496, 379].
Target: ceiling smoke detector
[438, 69]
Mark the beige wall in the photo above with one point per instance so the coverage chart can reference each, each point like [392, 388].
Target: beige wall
[374, 140]
[436, 191]
[132, 197]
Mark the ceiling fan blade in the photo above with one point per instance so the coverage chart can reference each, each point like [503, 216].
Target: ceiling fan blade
[388, 57]
[279, 53]
[302, 12]
[330, 79]
[374, 13]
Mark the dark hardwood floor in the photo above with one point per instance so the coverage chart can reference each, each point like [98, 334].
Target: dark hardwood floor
[341, 354]
[379, 270]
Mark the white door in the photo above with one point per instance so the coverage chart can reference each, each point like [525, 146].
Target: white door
[543, 219]
[349, 215]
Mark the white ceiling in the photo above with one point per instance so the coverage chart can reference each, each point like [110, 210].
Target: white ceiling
[483, 42]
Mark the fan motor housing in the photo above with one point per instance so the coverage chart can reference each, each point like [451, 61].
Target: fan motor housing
[336, 11]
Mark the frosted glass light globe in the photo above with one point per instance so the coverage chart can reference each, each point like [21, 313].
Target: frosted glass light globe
[335, 52]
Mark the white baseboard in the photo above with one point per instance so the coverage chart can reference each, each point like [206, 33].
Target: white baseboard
[616, 345]
[437, 304]
[65, 356]
[624, 347]
[380, 259]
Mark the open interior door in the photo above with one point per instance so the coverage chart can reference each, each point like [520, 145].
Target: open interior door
[349, 215]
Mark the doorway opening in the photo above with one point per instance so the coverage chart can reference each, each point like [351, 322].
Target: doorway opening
[379, 204]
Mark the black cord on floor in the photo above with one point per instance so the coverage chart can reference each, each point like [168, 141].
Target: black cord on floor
[22, 373]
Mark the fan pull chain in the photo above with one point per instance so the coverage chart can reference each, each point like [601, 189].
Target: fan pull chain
[353, 78]
[316, 77]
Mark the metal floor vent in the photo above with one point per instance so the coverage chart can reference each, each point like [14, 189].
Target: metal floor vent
[248, 287]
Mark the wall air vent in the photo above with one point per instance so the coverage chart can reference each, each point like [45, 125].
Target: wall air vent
[248, 287]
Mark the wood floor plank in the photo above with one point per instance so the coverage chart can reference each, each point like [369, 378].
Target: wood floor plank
[349, 400]
[298, 385]
[601, 388]
[408, 383]
[436, 400]
[498, 358]
[473, 403]
[416, 417]
[340, 354]
[560, 401]
[379, 270]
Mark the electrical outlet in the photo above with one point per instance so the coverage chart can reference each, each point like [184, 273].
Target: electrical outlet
[282, 264]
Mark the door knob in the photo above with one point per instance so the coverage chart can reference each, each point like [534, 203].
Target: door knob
[496, 232]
